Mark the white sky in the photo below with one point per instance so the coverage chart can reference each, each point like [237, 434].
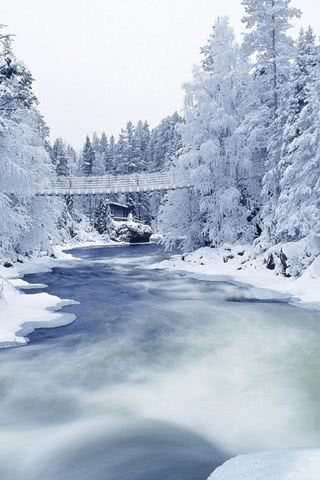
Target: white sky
[100, 63]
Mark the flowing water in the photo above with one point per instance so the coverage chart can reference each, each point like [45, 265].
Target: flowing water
[161, 377]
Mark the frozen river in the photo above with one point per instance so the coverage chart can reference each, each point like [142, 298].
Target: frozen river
[161, 377]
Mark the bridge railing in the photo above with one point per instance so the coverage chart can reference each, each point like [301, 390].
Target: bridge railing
[144, 182]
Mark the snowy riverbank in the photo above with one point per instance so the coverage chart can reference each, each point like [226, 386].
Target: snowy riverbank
[21, 314]
[238, 263]
[275, 465]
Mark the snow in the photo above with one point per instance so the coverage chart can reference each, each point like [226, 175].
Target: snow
[241, 264]
[274, 465]
[131, 232]
[20, 314]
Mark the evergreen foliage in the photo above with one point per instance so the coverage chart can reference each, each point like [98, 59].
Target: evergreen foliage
[27, 223]
[249, 140]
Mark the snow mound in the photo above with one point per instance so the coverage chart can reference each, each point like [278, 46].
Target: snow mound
[131, 232]
[21, 314]
[277, 465]
[86, 233]
[293, 258]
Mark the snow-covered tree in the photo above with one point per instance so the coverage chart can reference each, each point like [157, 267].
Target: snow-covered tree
[141, 140]
[105, 153]
[268, 43]
[87, 158]
[73, 160]
[215, 154]
[125, 151]
[297, 212]
[60, 158]
[103, 218]
[98, 168]
[112, 162]
[180, 220]
[15, 80]
[164, 145]
[165, 142]
[26, 222]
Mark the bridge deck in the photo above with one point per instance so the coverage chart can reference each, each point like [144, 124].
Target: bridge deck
[146, 182]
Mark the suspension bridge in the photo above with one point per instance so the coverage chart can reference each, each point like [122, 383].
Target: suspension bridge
[107, 184]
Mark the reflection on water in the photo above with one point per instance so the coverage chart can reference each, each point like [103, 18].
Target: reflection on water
[161, 377]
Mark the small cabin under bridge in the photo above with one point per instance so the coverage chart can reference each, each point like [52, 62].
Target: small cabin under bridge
[119, 211]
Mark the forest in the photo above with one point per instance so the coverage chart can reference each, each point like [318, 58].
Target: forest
[248, 136]
[163, 279]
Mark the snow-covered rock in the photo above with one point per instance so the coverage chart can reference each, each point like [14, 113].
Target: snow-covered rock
[293, 258]
[131, 232]
[274, 465]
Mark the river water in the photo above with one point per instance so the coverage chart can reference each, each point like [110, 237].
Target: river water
[161, 377]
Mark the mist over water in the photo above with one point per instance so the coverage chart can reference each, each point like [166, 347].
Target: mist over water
[162, 376]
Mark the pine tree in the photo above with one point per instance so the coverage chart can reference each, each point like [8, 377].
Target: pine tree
[88, 158]
[15, 81]
[112, 155]
[141, 139]
[297, 212]
[60, 158]
[268, 42]
[105, 154]
[98, 168]
[87, 169]
[165, 142]
[73, 160]
[299, 86]
[214, 154]
[103, 219]
[121, 154]
[26, 222]
[138, 142]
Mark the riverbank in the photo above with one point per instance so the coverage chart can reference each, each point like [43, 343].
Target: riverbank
[239, 264]
[275, 465]
[21, 314]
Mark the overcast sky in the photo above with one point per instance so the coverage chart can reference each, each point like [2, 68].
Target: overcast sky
[100, 63]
